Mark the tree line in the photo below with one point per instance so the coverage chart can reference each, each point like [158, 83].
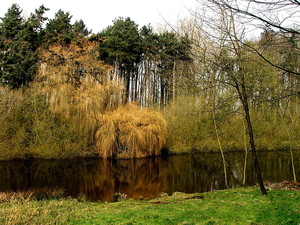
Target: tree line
[62, 86]
[145, 61]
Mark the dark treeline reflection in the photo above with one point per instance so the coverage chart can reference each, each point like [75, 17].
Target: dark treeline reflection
[100, 179]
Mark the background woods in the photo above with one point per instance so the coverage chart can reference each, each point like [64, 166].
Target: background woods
[68, 92]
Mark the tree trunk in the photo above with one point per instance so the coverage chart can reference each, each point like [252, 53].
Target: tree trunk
[241, 89]
[221, 149]
[253, 150]
[246, 153]
[174, 80]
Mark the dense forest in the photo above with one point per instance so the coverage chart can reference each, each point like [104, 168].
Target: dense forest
[130, 91]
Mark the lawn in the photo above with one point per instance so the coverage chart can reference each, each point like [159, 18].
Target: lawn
[232, 206]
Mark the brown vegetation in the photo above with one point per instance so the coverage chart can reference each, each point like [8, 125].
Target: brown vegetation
[34, 194]
[130, 132]
[285, 185]
[73, 98]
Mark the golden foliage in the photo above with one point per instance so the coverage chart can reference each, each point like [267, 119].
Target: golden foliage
[86, 101]
[75, 82]
[70, 63]
[130, 132]
[76, 101]
[81, 90]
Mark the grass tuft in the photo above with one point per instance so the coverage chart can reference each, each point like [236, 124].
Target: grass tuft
[34, 194]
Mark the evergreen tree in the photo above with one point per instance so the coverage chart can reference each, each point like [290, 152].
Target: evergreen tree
[172, 49]
[35, 24]
[121, 44]
[150, 42]
[59, 29]
[18, 45]
[121, 47]
[80, 30]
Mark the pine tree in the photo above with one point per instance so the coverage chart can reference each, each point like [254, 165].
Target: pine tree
[35, 24]
[18, 45]
[121, 44]
[80, 30]
[172, 49]
[59, 29]
[121, 47]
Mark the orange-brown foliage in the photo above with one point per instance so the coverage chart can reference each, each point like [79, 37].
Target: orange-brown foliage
[92, 99]
[76, 82]
[130, 132]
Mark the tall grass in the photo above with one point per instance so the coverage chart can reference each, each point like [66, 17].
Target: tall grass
[130, 132]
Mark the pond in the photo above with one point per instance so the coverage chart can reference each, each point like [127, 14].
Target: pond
[100, 179]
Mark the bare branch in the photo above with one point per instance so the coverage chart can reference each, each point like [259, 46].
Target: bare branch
[226, 5]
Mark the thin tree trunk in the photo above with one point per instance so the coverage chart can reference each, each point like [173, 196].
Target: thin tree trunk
[246, 153]
[221, 149]
[174, 80]
[254, 155]
[293, 165]
[213, 96]
[244, 99]
[291, 153]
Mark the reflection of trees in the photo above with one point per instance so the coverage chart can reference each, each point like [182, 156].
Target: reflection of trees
[101, 179]
[140, 177]
[195, 173]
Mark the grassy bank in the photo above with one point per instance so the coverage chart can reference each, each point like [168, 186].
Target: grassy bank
[233, 206]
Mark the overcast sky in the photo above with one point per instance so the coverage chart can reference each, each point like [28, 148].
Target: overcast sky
[98, 14]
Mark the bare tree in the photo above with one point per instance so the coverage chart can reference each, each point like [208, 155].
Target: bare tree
[281, 16]
[228, 55]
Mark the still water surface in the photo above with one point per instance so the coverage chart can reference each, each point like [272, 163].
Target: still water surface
[100, 179]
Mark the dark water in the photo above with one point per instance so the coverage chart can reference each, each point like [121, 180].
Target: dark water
[101, 179]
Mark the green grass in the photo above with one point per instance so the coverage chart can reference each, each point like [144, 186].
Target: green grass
[233, 206]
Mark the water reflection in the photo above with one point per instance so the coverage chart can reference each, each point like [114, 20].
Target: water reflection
[101, 179]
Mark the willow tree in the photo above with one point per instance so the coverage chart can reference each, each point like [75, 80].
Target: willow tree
[130, 132]
[75, 78]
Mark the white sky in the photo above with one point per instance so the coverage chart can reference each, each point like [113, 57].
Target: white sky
[98, 14]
